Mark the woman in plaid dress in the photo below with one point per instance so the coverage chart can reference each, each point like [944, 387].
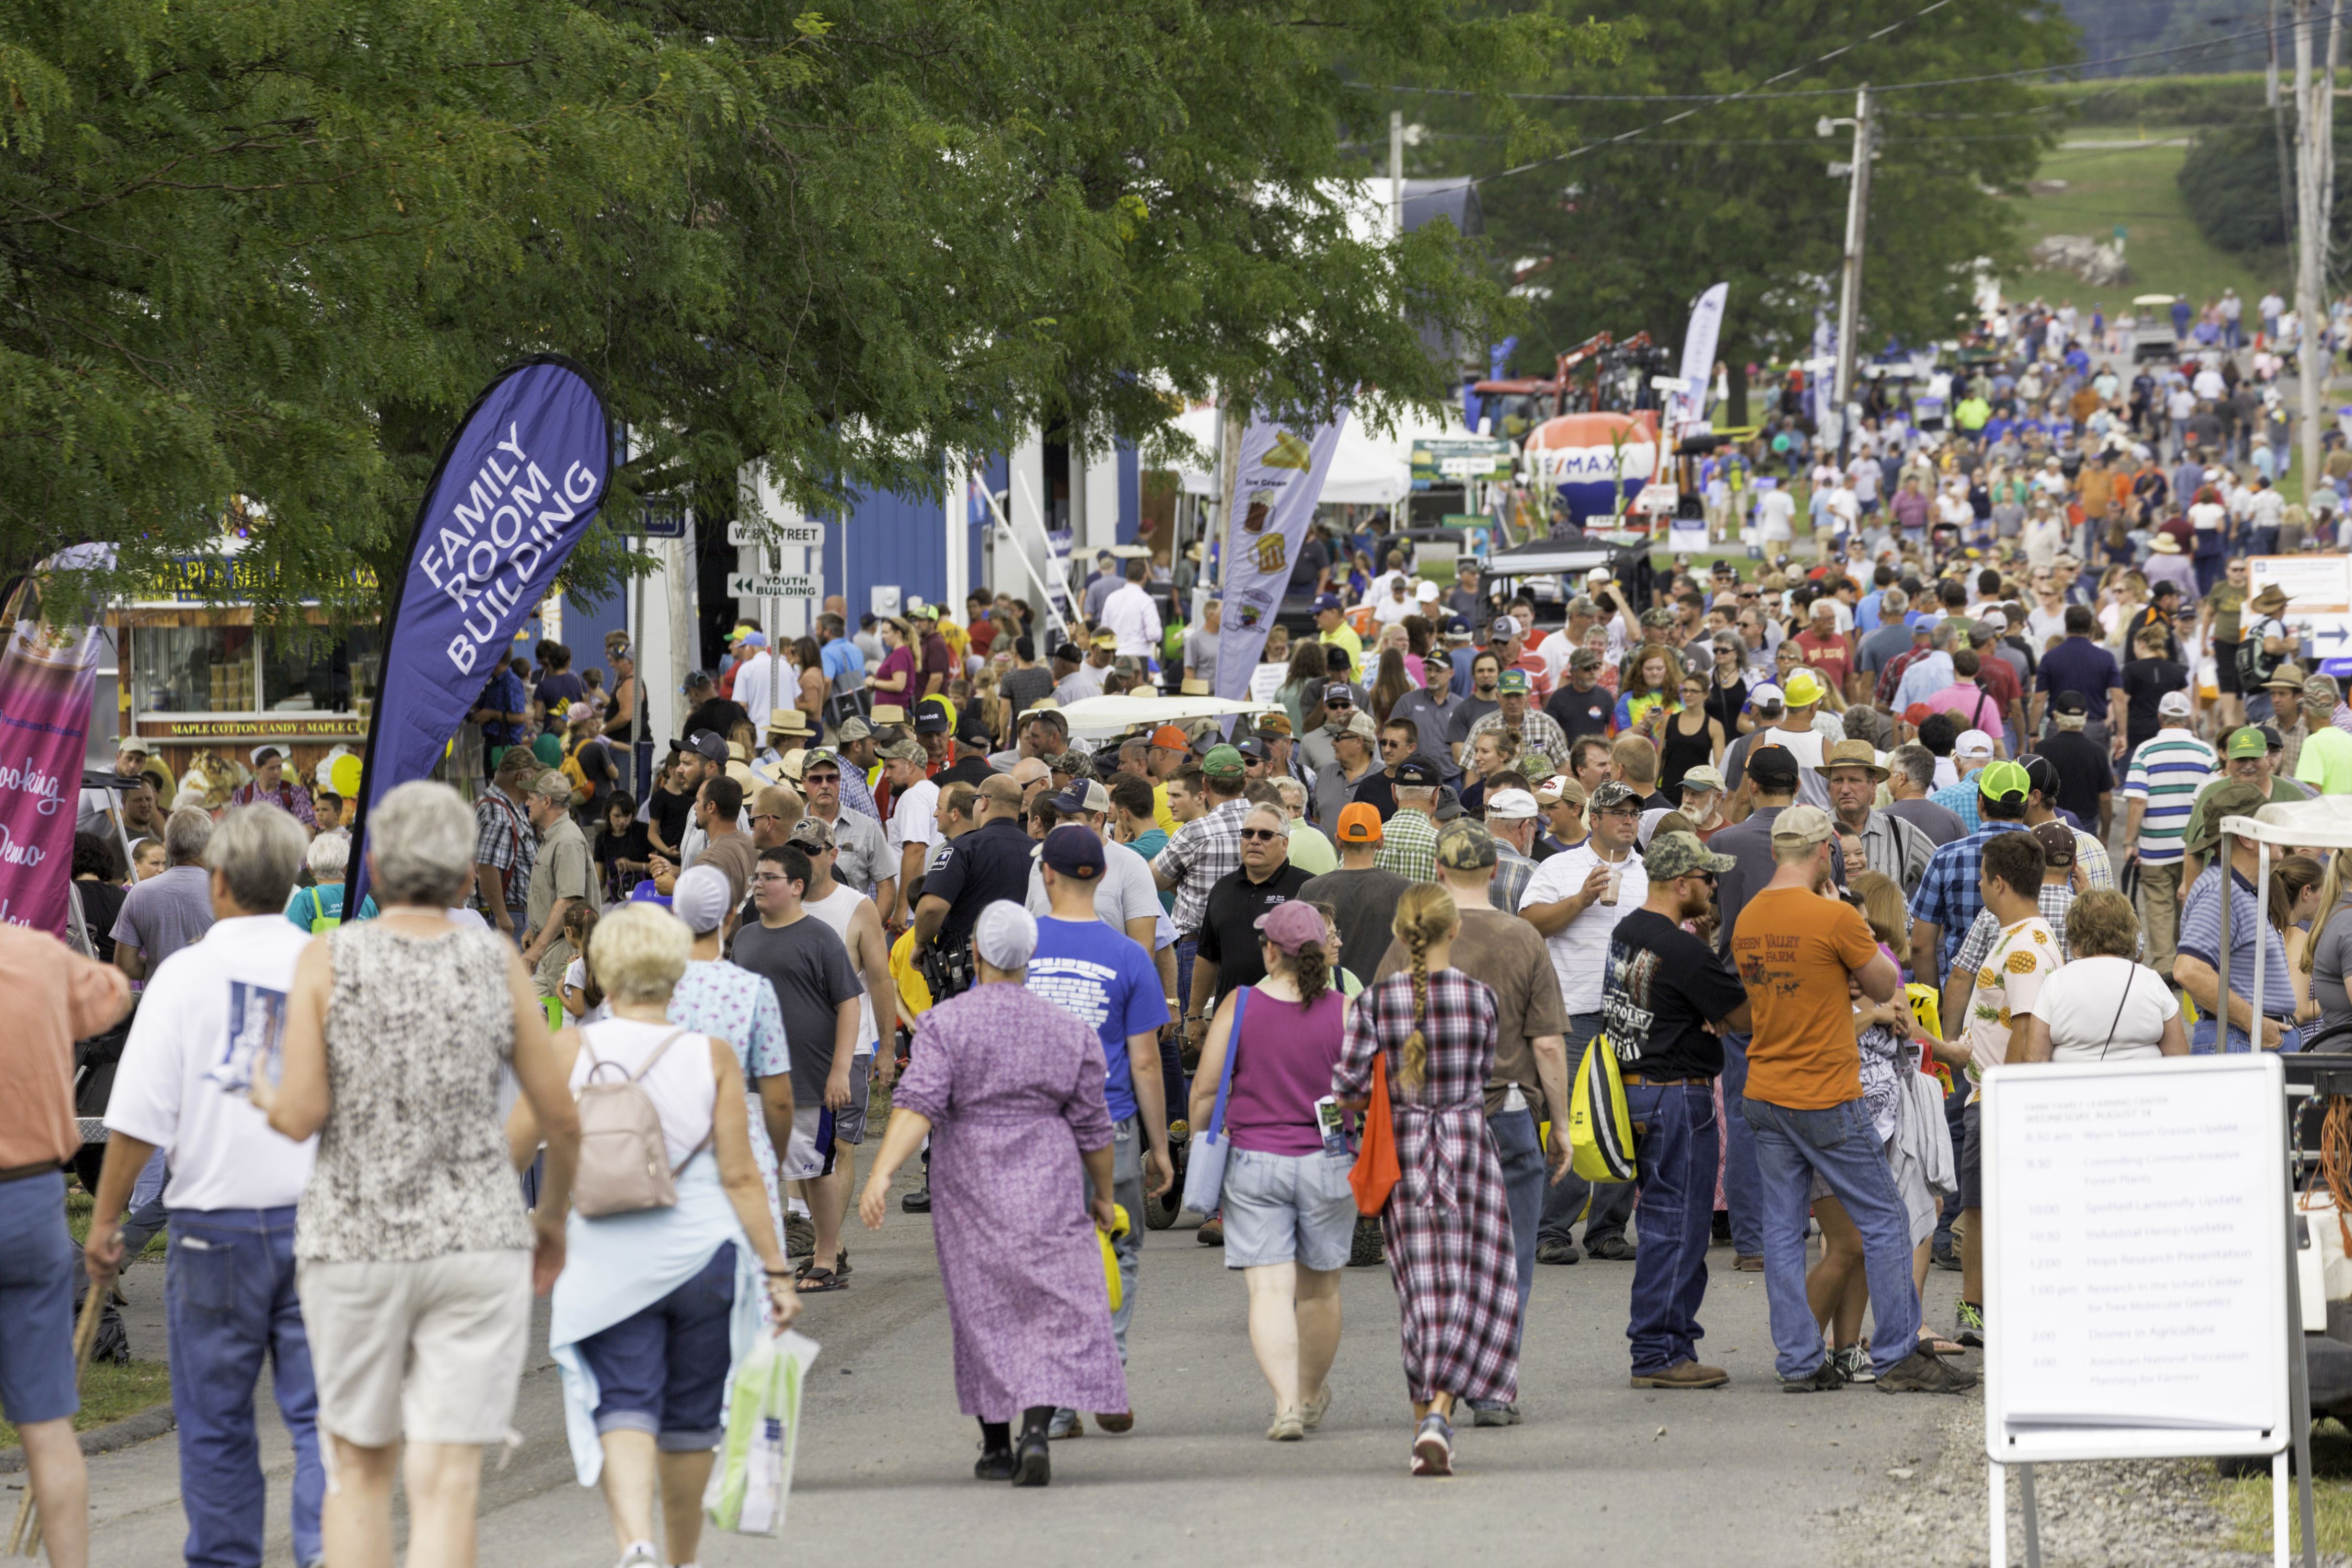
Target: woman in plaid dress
[1447, 1224]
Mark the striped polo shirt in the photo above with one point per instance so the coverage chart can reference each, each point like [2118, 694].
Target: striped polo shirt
[2166, 771]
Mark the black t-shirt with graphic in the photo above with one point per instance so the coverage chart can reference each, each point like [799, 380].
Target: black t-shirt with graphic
[1663, 988]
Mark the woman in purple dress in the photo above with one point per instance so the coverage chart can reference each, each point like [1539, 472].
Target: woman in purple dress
[1008, 1088]
[1447, 1222]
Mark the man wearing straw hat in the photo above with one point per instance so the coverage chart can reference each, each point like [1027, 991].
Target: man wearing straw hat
[52, 996]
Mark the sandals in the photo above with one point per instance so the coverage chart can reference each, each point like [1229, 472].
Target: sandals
[817, 1281]
[1941, 1345]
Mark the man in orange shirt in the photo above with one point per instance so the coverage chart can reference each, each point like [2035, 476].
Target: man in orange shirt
[52, 996]
[1797, 949]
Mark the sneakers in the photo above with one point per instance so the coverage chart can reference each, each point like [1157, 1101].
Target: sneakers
[1065, 1424]
[1823, 1379]
[1367, 1249]
[1558, 1252]
[1683, 1374]
[1311, 1413]
[641, 1554]
[1852, 1363]
[1924, 1371]
[1289, 1427]
[1747, 1263]
[1212, 1232]
[1494, 1413]
[1614, 1249]
[800, 1236]
[1115, 1421]
[1971, 1322]
[1943, 1256]
[1433, 1447]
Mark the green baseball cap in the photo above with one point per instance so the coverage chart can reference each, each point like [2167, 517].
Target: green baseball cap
[1223, 762]
[2248, 742]
[1512, 680]
[1999, 781]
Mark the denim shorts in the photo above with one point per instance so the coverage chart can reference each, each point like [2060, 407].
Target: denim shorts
[663, 1369]
[37, 1260]
[1288, 1208]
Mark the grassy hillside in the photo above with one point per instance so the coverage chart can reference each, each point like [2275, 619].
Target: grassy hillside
[2134, 186]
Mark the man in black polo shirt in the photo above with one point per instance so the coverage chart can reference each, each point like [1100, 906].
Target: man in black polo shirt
[1583, 707]
[989, 863]
[1229, 956]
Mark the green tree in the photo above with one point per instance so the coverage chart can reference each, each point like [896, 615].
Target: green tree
[1622, 237]
[270, 251]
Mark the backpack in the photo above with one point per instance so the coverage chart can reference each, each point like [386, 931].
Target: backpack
[583, 791]
[623, 1167]
[1600, 1127]
[2255, 667]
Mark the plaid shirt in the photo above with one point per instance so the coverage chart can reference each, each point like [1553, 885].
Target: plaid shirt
[1409, 846]
[1512, 872]
[1890, 679]
[1204, 850]
[2055, 898]
[1949, 894]
[855, 797]
[503, 839]
[1538, 731]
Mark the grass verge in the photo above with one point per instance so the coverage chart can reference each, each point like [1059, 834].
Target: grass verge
[111, 1393]
[2247, 1503]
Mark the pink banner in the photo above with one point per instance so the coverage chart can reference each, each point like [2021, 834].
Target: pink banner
[46, 678]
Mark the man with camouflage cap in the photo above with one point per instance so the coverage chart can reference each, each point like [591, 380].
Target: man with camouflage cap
[1529, 1077]
[1668, 997]
[2326, 761]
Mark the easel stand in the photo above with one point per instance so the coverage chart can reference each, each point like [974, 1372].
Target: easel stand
[2040, 1120]
[25, 1536]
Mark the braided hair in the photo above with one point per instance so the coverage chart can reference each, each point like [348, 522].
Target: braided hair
[1425, 916]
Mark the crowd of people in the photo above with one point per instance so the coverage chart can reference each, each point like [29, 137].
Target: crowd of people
[1806, 845]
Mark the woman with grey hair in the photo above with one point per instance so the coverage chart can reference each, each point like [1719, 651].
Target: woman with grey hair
[656, 1304]
[413, 1254]
[1009, 1089]
[319, 907]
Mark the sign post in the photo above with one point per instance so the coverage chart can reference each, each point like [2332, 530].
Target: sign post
[2138, 1273]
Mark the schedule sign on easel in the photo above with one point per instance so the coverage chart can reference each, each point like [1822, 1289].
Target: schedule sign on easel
[2136, 1265]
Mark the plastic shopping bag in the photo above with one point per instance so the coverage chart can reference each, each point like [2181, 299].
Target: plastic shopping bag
[753, 1479]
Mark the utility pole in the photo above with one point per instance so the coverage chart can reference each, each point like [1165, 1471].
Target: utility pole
[1857, 221]
[1396, 173]
[2315, 173]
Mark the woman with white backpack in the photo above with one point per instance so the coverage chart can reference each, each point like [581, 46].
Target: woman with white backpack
[671, 1250]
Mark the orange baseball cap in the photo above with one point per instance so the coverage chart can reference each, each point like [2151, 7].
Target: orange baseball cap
[1359, 824]
[1173, 738]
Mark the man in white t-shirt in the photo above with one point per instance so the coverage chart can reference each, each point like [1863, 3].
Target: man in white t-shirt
[1776, 516]
[214, 1015]
[1568, 901]
[914, 818]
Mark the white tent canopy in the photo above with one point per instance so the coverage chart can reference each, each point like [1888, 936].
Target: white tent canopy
[2325, 823]
[1368, 468]
[1115, 715]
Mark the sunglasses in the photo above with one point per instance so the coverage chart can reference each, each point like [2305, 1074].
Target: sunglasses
[1392, 745]
[1264, 833]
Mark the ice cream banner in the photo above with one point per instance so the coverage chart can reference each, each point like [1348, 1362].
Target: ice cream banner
[46, 678]
[1276, 482]
[518, 485]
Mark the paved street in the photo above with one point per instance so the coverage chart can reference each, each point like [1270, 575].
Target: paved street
[1738, 1475]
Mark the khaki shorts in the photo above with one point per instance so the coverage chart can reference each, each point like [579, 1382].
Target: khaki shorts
[431, 1351]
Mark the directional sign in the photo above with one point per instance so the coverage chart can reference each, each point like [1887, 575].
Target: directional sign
[751, 531]
[663, 518]
[793, 585]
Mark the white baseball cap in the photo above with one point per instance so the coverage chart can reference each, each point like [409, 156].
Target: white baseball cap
[2174, 703]
[1511, 804]
[1972, 743]
[1764, 694]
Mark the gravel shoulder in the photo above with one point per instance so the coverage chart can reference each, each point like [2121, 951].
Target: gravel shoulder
[2134, 1513]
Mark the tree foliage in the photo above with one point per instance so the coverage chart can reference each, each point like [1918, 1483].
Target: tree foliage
[269, 249]
[1622, 237]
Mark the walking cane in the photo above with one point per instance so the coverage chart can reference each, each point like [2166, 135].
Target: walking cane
[25, 1540]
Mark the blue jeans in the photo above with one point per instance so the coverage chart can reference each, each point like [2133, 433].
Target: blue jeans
[228, 1301]
[1612, 1202]
[1956, 1105]
[2200, 1039]
[1739, 1191]
[1521, 1154]
[1839, 1143]
[662, 1369]
[1676, 1142]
